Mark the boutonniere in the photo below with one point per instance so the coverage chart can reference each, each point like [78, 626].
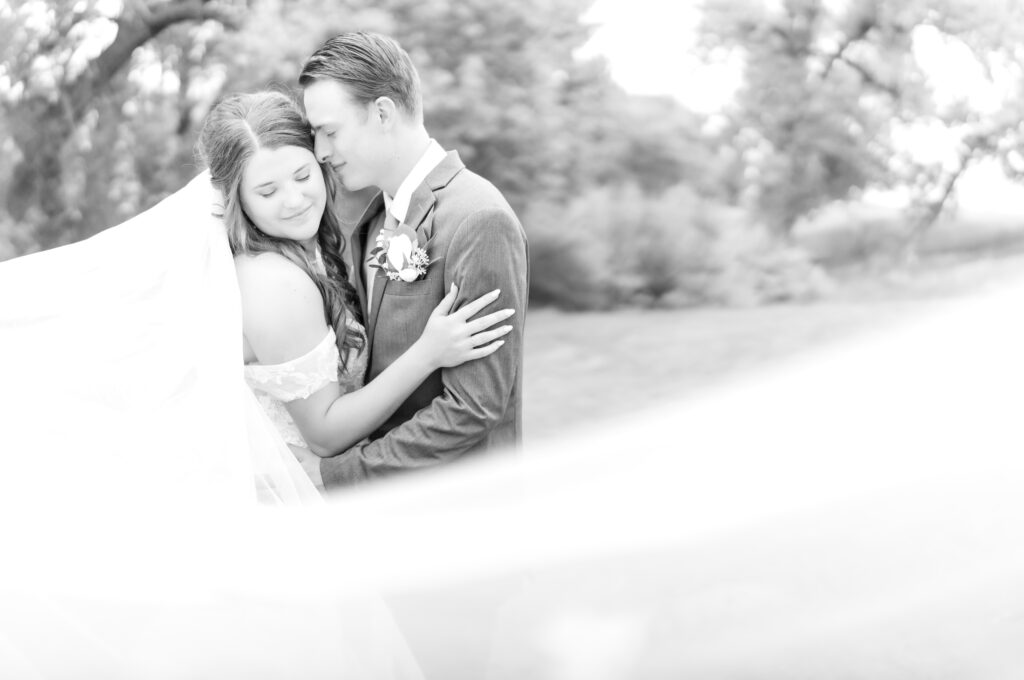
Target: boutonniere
[399, 255]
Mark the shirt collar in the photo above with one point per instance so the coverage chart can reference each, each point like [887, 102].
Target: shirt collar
[398, 205]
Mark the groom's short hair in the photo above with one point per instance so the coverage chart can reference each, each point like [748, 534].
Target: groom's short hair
[370, 65]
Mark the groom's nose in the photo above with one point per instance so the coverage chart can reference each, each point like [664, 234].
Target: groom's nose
[321, 149]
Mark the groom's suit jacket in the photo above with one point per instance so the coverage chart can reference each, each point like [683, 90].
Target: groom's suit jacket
[474, 240]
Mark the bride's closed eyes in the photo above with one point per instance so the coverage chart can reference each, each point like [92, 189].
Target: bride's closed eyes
[269, 189]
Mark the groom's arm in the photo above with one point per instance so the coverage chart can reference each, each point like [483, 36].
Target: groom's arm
[488, 251]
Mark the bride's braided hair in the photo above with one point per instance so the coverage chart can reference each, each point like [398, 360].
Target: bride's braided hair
[233, 131]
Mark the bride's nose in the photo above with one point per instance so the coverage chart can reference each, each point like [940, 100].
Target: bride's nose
[292, 196]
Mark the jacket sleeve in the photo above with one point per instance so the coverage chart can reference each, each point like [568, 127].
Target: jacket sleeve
[488, 251]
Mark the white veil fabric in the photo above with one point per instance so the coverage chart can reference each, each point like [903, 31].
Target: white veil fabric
[121, 360]
[128, 432]
[857, 513]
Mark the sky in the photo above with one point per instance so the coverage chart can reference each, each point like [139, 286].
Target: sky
[649, 47]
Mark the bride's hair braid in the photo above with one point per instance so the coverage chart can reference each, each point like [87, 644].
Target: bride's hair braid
[332, 249]
[233, 131]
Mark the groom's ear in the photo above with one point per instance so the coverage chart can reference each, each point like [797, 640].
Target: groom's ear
[386, 112]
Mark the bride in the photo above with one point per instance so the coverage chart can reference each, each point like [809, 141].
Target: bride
[131, 338]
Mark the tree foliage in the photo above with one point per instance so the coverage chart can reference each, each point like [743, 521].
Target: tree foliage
[101, 103]
[832, 87]
[63, 65]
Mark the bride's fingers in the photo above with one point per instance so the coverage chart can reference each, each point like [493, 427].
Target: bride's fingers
[445, 306]
[485, 322]
[476, 305]
[481, 352]
[487, 336]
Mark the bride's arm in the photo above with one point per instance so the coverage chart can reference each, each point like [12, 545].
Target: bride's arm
[283, 318]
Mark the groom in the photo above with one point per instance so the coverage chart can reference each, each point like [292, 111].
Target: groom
[362, 97]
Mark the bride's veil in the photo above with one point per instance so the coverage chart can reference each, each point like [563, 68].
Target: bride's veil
[128, 432]
[122, 371]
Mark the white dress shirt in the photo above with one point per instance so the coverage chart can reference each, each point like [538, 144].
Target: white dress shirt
[397, 207]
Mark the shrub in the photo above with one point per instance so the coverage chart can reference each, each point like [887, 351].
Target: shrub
[851, 232]
[616, 246]
[756, 268]
[567, 256]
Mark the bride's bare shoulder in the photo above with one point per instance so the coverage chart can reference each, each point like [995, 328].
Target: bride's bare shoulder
[282, 308]
[266, 263]
[268, 272]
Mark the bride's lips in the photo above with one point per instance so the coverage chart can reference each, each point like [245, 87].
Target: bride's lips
[305, 211]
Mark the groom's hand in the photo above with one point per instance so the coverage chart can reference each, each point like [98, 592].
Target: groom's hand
[311, 464]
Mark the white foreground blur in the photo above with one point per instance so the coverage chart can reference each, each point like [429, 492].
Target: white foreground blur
[857, 513]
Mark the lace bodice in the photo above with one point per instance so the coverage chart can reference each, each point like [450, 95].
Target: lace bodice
[277, 384]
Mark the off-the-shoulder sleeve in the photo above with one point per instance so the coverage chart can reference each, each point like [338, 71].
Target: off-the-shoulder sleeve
[300, 377]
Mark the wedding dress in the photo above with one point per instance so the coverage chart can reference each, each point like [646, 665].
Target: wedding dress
[277, 384]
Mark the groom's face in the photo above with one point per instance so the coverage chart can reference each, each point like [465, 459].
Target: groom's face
[347, 135]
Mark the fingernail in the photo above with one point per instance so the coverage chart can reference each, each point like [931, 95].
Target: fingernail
[495, 291]
[507, 328]
[509, 312]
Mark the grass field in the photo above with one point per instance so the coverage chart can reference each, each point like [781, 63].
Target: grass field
[595, 367]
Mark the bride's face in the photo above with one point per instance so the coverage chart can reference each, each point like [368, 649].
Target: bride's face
[283, 192]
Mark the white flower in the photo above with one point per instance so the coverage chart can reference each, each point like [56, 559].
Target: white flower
[399, 251]
[399, 256]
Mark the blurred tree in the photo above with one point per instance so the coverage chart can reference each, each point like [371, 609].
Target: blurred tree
[60, 60]
[87, 83]
[652, 142]
[830, 87]
[494, 75]
[821, 87]
[988, 38]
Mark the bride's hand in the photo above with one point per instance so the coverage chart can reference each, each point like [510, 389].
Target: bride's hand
[450, 339]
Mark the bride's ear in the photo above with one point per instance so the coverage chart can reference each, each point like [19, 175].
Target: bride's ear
[386, 112]
[218, 203]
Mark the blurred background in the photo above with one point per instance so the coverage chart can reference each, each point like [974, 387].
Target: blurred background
[707, 187]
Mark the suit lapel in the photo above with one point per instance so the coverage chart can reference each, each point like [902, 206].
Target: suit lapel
[380, 282]
[358, 244]
[419, 217]
[419, 207]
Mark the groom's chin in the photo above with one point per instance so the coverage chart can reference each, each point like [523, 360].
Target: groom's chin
[353, 187]
[353, 201]
[347, 183]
